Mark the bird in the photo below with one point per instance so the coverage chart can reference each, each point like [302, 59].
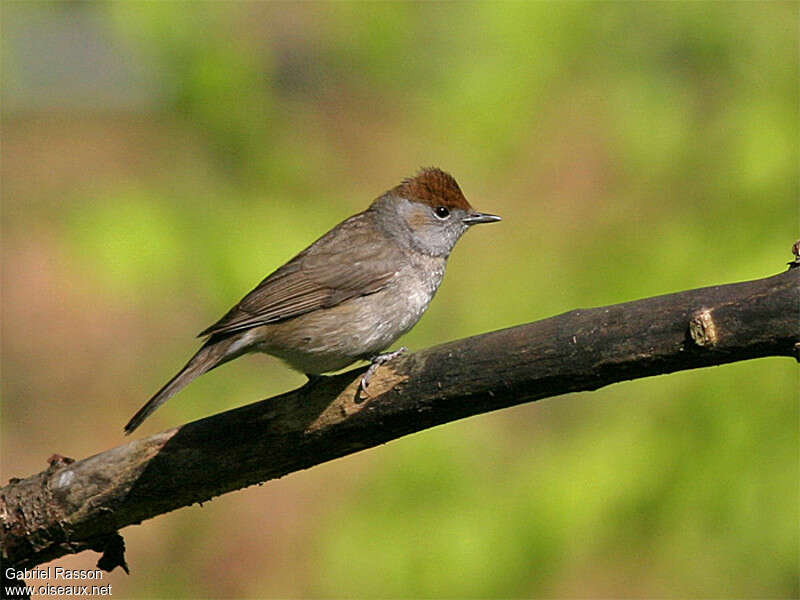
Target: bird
[349, 295]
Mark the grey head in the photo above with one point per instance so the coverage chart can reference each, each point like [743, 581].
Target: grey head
[428, 213]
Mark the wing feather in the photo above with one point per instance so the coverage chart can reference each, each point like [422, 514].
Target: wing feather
[321, 276]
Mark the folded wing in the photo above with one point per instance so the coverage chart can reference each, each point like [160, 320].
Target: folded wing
[321, 276]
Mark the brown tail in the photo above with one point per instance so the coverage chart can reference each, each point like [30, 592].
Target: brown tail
[211, 355]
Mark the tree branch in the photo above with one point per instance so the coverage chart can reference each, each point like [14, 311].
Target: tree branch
[81, 505]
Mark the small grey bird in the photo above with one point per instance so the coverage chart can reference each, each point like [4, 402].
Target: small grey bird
[350, 294]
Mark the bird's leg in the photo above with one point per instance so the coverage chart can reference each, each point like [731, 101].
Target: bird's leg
[377, 361]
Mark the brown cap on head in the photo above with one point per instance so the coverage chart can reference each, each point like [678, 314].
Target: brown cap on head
[433, 187]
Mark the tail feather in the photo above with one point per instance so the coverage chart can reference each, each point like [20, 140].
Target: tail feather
[211, 355]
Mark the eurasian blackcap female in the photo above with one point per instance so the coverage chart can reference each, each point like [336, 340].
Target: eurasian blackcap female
[349, 295]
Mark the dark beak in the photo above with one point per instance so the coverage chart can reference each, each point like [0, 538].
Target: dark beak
[476, 217]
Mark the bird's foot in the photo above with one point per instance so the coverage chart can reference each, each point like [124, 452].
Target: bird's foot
[377, 361]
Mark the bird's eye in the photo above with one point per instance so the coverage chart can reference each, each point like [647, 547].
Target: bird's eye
[442, 212]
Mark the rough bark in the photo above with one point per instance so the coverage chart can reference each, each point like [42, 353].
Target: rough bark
[74, 506]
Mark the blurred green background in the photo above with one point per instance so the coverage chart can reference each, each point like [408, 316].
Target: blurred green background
[158, 159]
